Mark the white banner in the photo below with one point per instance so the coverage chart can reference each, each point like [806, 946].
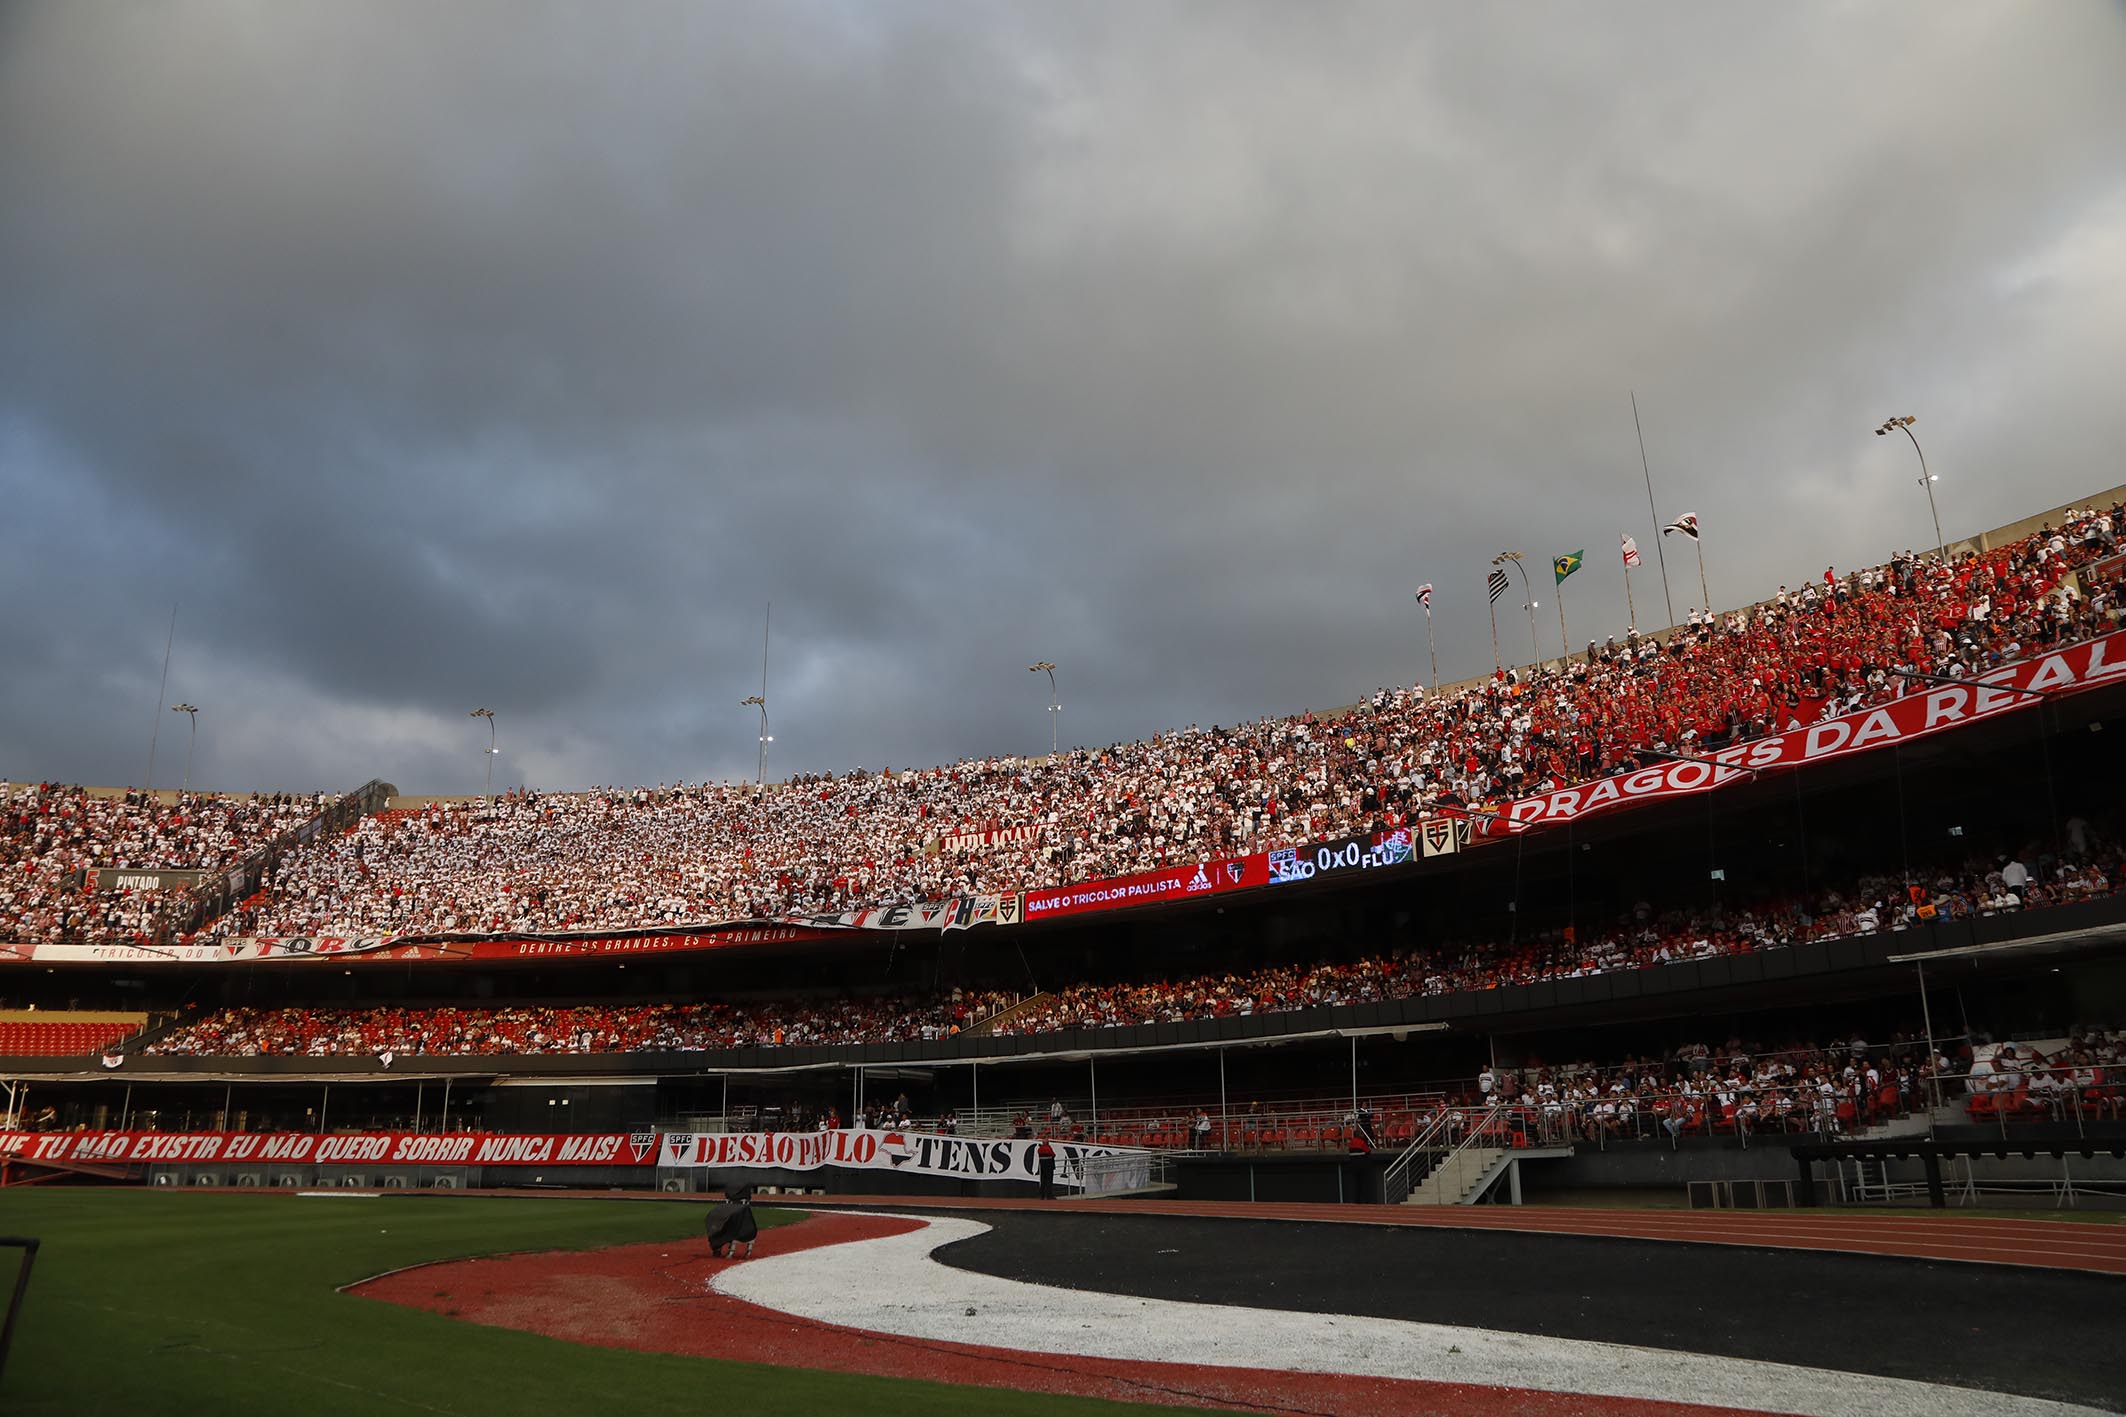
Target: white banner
[913, 1153]
[987, 836]
[244, 949]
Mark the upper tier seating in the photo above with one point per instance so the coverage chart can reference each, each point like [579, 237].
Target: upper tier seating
[69, 1035]
[647, 857]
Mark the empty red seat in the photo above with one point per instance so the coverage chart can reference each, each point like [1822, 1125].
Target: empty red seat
[51, 1038]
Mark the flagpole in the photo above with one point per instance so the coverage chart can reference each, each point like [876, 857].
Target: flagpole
[1631, 612]
[1703, 594]
[1564, 640]
[1528, 589]
[1431, 648]
[1659, 550]
[1497, 661]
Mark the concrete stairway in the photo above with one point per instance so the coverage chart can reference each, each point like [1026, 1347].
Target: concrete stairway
[1460, 1178]
[1005, 1015]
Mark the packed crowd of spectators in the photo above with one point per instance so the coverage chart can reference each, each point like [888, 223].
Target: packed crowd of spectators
[53, 836]
[390, 1033]
[1740, 1086]
[2091, 865]
[1645, 937]
[2081, 1075]
[1841, 1087]
[644, 857]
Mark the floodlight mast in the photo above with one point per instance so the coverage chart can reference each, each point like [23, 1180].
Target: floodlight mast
[1514, 558]
[1926, 478]
[760, 764]
[1055, 704]
[492, 750]
[190, 743]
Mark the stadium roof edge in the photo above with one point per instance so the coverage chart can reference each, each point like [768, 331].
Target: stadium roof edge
[2059, 942]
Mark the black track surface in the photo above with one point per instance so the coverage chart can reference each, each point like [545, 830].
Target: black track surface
[2039, 1333]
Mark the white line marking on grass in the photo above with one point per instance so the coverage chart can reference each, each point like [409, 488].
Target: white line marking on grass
[893, 1285]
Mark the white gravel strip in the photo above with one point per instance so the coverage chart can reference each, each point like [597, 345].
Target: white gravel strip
[892, 1285]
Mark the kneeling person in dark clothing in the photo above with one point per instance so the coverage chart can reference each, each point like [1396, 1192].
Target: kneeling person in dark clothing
[731, 1223]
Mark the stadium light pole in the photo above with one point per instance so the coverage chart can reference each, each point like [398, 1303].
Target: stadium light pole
[489, 715]
[1055, 704]
[760, 765]
[1515, 557]
[190, 742]
[1926, 478]
[760, 701]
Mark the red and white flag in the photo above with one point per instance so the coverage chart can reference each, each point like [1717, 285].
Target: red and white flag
[1424, 595]
[1631, 551]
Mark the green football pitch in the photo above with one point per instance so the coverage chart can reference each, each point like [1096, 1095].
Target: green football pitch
[160, 1302]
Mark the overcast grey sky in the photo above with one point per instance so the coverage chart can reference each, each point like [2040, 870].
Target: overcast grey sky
[517, 355]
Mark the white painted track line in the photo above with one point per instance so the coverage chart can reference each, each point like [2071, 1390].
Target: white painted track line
[894, 1285]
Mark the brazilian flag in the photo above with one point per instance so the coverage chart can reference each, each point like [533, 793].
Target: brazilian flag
[1566, 564]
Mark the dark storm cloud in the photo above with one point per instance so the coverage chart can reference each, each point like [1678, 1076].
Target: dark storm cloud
[517, 356]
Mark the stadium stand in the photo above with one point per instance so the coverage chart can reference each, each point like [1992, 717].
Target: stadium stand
[641, 857]
[2048, 1079]
[53, 838]
[790, 1031]
[587, 1028]
[28, 1033]
[1870, 905]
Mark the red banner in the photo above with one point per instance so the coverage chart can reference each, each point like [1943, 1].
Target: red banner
[338, 1149]
[620, 947]
[1930, 709]
[1150, 887]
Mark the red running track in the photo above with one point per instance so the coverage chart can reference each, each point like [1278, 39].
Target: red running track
[653, 1298]
[2091, 1247]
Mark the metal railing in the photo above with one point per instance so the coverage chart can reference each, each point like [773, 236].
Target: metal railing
[1127, 1173]
[1488, 1130]
[2102, 1098]
[1777, 1194]
[1870, 1181]
[229, 886]
[1502, 1126]
[1401, 1179]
